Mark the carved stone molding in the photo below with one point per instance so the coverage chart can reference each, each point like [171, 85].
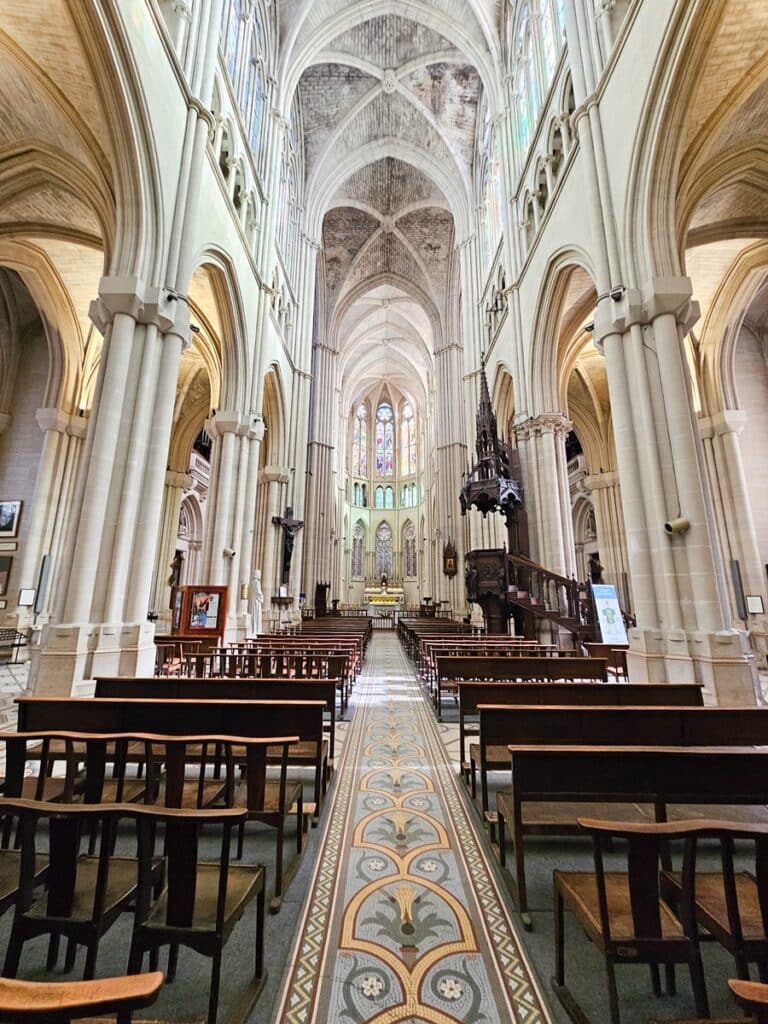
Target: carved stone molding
[545, 423]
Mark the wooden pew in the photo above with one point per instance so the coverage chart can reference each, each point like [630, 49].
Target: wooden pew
[254, 719]
[130, 688]
[472, 695]
[573, 725]
[524, 669]
[618, 774]
[430, 651]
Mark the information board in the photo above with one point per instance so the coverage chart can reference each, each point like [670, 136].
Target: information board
[609, 615]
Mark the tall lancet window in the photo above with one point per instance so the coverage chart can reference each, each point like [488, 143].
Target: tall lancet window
[360, 441]
[358, 543]
[385, 440]
[232, 19]
[384, 550]
[409, 549]
[407, 441]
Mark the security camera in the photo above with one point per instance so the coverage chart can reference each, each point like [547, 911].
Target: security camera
[229, 552]
[617, 293]
[679, 525]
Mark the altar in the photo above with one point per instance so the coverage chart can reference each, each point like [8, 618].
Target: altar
[384, 600]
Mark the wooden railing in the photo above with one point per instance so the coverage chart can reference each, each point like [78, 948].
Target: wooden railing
[549, 592]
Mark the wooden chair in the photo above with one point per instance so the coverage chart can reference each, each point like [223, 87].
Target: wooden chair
[271, 801]
[625, 915]
[201, 902]
[753, 996]
[85, 895]
[733, 906]
[61, 1002]
[180, 754]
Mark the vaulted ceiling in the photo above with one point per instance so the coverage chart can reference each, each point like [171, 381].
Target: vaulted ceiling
[390, 110]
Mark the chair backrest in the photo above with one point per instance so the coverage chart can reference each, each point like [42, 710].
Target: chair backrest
[180, 754]
[758, 838]
[256, 771]
[647, 848]
[182, 835]
[19, 748]
[647, 845]
[67, 824]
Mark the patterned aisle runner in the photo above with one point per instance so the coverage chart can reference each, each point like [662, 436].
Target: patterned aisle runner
[404, 922]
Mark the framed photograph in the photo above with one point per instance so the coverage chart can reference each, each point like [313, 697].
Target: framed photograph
[5, 571]
[205, 610]
[10, 514]
[754, 604]
[26, 597]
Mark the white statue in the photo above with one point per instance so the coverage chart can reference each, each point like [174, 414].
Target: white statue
[255, 602]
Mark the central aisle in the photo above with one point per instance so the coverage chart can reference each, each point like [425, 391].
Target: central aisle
[404, 920]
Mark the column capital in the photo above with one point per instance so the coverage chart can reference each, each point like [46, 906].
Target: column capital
[727, 421]
[53, 419]
[226, 422]
[274, 474]
[601, 481]
[144, 303]
[621, 308]
[545, 423]
[181, 480]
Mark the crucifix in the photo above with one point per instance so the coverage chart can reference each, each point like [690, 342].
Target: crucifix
[290, 528]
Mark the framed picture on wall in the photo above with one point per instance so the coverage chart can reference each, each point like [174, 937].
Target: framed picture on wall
[205, 610]
[10, 514]
[5, 571]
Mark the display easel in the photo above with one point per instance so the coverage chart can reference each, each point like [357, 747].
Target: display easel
[199, 611]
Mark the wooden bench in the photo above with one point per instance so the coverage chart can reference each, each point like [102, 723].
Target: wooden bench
[471, 695]
[130, 688]
[579, 775]
[450, 671]
[609, 726]
[255, 719]
[431, 651]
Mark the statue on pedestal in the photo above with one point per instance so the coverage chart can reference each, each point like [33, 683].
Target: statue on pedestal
[255, 604]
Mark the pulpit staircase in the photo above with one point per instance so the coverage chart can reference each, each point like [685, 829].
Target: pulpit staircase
[548, 595]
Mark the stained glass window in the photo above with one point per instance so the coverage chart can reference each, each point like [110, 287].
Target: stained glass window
[385, 440]
[384, 550]
[548, 45]
[358, 542]
[230, 35]
[389, 498]
[360, 441]
[407, 441]
[379, 498]
[409, 549]
[561, 15]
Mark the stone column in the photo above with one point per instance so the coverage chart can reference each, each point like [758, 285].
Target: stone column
[274, 479]
[97, 628]
[175, 485]
[44, 506]
[604, 489]
[541, 441]
[720, 434]
[684, 627]
[247, 557]
[224, 428]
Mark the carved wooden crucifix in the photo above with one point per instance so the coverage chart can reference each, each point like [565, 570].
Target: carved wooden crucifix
[290, 528]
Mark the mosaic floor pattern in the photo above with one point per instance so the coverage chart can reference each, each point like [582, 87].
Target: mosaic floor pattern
[404, 921]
